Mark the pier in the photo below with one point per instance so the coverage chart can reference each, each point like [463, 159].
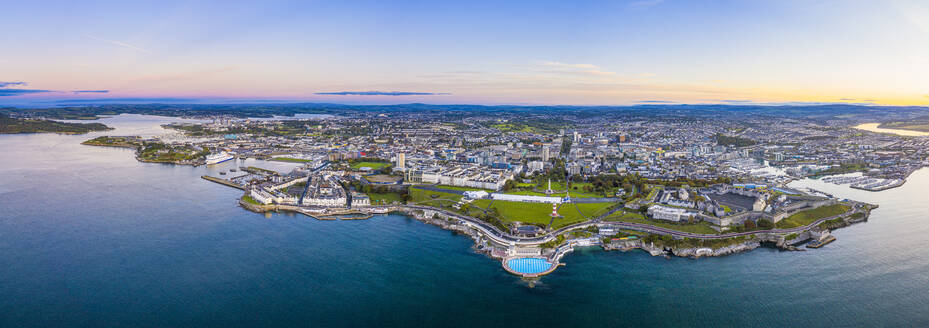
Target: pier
[223, 182]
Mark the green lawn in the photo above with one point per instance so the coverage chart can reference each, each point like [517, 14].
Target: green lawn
[519, 211]
[385, 198]
[701, 227]
[290, 159]
[432, 198]
[250, 200]
[540, 213]
[372, 165]
[806, 217]
[622, 215]
[587, 210]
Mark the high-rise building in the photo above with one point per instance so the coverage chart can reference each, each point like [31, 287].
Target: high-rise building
[401, 161]
[546, 154]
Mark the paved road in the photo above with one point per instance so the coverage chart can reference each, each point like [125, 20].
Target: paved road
[506, 238]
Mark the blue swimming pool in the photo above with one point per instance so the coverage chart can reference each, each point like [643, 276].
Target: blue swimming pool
[528, 265]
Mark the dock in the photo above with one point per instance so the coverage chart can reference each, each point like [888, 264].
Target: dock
[821, 242]
[223, 182]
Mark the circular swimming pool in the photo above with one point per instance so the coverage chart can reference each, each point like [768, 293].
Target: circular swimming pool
[528, 265]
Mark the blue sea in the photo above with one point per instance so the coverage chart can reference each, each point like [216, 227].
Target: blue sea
[89, 237]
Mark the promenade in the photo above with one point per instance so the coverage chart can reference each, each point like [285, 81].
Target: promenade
[504, 238]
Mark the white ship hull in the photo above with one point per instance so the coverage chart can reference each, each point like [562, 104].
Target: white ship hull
[218, 159]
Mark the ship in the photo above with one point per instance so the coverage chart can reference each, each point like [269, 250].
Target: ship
[218, 158]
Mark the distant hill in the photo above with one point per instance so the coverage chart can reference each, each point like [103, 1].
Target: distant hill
[856, 113]
[10, 125]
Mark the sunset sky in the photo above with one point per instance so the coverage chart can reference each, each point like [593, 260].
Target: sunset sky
[473, 52]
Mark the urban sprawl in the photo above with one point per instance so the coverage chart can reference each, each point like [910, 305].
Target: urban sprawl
[531, 186]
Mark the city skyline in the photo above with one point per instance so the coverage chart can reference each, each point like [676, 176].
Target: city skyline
[526, 53]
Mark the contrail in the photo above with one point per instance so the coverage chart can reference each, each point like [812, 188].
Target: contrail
[118, 43]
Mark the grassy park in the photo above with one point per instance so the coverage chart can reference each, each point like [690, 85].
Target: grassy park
[385, 198]
[432, 198]
[531, 213]
[373, 165]
[540, 213]
[806, 217]
[577, 212]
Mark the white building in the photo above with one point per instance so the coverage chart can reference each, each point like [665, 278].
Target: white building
[536, 166]
[669, 213]
[475, 194]
[526, 198]
[261, 196]
[401, 161]
[359, 199]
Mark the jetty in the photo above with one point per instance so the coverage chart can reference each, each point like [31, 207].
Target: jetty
[223, 182]
[821, 242]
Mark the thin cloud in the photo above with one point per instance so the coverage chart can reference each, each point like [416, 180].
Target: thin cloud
[118, 43]
[573, 69]
[90, 91]
[20, 92]
[379, 93]
[7, 84]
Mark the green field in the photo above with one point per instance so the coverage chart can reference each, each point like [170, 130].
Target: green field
[290, 159]
[623, 215]
[372, 165]
[384, 198]
[806, 217]
[701, 227]
[540, 213]
[250, 200]
[519, 211]
[587, 211]
[432, 198]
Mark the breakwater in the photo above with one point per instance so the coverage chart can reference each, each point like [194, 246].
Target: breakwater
[222, 182]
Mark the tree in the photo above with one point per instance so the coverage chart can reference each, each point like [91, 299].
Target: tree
[509, 185]
[765, 224]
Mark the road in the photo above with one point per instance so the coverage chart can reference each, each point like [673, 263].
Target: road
[506, 238]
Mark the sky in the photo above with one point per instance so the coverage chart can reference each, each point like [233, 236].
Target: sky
[621, 52]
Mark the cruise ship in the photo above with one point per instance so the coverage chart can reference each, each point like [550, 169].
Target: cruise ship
[218, 158]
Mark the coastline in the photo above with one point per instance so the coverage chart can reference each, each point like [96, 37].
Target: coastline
[137, 148]
[487, 243]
